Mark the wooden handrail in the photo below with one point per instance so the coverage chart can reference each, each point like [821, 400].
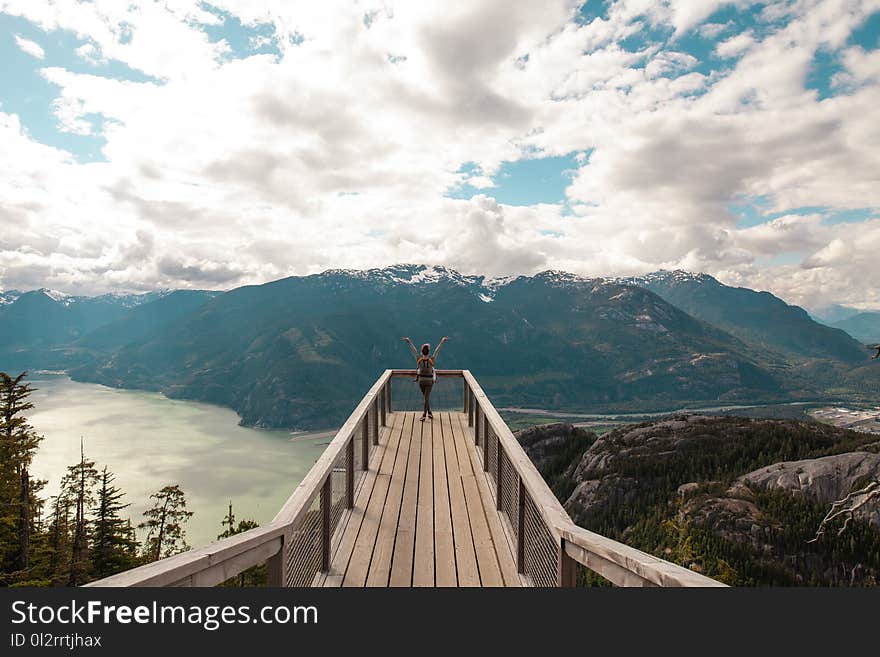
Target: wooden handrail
[624, 565]
[413, 372]
[208, 565]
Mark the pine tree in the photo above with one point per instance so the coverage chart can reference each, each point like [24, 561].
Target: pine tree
[19, 500]
[59, 539]
[39, 573]
[254, 576]
[165, 523]
[80, 482]
[114, 546]
[228, 522]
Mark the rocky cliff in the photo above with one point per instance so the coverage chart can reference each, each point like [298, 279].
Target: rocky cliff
[736, 498]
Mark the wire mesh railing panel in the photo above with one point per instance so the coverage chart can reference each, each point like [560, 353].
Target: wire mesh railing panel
[541, 553]
[304, 547]
[338, 482]
[446, 394]
[493, 456]
[509, 489]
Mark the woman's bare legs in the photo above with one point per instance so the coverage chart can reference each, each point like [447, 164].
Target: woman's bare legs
[426, 392]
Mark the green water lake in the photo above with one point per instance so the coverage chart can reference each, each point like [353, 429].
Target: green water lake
[149, 441]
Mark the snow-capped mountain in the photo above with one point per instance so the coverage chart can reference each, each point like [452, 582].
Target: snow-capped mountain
[133, 299]
[9, 296]
[669, 277]
[404, 274]
[58, 297]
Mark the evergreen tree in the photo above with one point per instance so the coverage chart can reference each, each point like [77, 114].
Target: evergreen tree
[19, 499]
[114, 545]
[39, 573]
[254, 576]
[79, 483]
[165, 523]
[59, 539]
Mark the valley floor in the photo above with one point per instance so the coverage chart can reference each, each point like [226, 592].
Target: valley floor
[865, 420]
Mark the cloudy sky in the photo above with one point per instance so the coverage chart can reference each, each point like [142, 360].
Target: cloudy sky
[213, 144]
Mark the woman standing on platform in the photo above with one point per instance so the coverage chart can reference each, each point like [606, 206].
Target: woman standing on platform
[426, 375]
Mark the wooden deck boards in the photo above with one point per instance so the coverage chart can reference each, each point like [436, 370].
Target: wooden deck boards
[419, 517]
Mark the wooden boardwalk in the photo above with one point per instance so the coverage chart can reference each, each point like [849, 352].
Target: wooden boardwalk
[423, 514]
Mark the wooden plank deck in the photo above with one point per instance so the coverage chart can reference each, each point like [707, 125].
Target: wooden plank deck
[419, 517]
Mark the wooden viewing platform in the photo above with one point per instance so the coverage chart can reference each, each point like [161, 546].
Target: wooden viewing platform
[421, 517]
[397, 502]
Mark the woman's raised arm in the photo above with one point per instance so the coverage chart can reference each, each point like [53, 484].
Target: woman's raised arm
[437, 349]
[412, 347]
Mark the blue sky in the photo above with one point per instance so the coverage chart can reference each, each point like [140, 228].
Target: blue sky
[26, 93]
[527, 181]
[219, 143]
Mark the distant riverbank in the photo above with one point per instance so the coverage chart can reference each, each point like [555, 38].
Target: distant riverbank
[638, 415]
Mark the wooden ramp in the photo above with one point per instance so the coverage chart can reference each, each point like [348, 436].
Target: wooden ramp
[423, 515]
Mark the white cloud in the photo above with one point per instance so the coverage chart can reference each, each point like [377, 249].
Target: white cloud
[735, 45]
[224, 171]
[859, 67]
[669, 62]
[91, 53]
[32, 48]
[713, 30]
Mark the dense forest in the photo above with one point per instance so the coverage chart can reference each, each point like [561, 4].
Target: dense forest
[685, 490]
[82, 533]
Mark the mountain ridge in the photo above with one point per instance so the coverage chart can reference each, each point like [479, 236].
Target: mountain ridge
[864, 326]
[274, 352]
[758, 317]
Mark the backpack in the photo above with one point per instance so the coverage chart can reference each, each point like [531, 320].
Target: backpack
[426, 368]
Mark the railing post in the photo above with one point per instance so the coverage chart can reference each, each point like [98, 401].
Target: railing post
[498, 486]
[485, 443]
[477, 425]
[349, 473]
[471, 409]
[521, 528]
[374, 410]
[326, 501]
[365, 441]
[275, 567]
[388, 394]
[383, 407]
[466, 393]
[566, 568]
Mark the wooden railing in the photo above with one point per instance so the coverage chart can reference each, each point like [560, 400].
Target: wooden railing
[545, 540]
[297, 544]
